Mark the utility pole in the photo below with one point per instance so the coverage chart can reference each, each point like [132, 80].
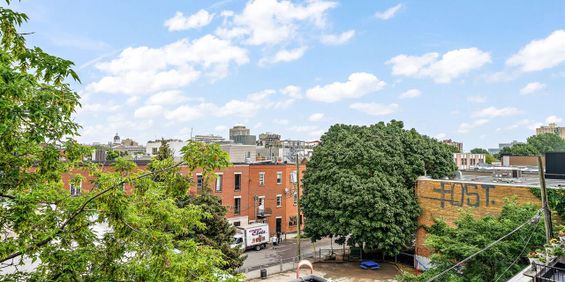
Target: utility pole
[544, 203]
[298, 201]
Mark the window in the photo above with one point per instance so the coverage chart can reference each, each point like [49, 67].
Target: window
[154, 151]
[295, 198]
[219, 182]
[237, 181]
[237, 205]
[75, 189]
[292, 221]
[279, 177]
[279, 201]
[262, 178]
[199, 181]
[261, 201]
[237, 223]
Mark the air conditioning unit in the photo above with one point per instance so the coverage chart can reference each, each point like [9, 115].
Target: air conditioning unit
[293, 177]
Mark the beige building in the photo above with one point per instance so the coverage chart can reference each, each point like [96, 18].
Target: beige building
[551, 128]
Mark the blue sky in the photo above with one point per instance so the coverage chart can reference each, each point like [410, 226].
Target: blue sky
[480, 72]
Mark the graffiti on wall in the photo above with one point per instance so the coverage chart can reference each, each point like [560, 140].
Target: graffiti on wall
[463, 195]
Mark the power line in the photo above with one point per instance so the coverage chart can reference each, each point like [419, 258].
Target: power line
[532, 220]
[521, 252]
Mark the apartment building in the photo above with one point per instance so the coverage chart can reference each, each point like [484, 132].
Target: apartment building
[468, 160]
[250, 192]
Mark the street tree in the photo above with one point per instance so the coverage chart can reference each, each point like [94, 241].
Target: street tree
[359, 184]
[547, 142]
[453, 243]
[125, 229]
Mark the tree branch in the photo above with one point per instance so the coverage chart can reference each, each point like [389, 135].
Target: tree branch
[79, 211]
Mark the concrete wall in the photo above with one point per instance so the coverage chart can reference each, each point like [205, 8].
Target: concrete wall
[445, 198]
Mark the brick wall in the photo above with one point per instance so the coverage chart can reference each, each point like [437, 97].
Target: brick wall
[444, 199]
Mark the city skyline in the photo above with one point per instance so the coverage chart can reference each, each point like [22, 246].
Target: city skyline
[296, 68]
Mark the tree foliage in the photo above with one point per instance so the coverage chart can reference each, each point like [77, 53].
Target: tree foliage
[536, 145]
[359, 184]
[479, 151]
[451, 244]
[489, 158]
[104, 234]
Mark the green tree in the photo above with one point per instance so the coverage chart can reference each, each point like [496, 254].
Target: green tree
[547, 142]
[136, 233]
[360, 183]
[451, 244]
[165, 151]
[520, 150]
[112, 155]
[479, 151]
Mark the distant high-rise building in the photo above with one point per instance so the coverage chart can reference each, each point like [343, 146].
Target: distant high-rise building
[505, 145]
[457, 145]
[269, 140]
[551, 128]
[240, 134]
[209, 138]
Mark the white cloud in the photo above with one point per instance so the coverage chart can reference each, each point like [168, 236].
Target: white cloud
[106, 107]
[466, 127]
[357, 85]
[167, 98]
[388, 13]
[143, 69]
[553, 119]
[280, 121]
[525, 123]
[292, 91]
[477, 99]
[132, 100]
[375, 109]
[337, 39]
[304, 128]
[442, 70]
[440, 136]
[148, 111]
[284, 56]
[540, 54]
[316, 117]
[272, 22]
[531, 88]
[180, 22]
[220, 128]
[412, 93]
[496, 112]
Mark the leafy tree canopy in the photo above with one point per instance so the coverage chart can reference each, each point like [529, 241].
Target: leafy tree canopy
[479, 151]
[536, 145]
[104, 234]
[359, 183]
[451, 244]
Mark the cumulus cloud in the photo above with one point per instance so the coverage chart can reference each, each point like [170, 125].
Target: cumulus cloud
[280, 121]
[316, 117]
[441, 69]
[148, 111]
[540, 54]
[143, 69]
[337, 39]
[465, 127]
[496, 112]
[389, 13]
[553, 119]
[357, 85]
[181, 22]
[167, 98]
[477, 99]
[269, 22]
[375, 109]
[284, 56]
[532, 87]
[412, 93]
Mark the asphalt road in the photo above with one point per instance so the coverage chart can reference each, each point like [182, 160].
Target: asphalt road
[287, 249]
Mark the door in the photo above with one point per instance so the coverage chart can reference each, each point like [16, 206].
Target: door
[278, 225]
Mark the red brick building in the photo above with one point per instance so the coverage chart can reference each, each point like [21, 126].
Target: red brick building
[251, 192]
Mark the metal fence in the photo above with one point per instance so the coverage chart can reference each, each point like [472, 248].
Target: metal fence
[546, 273]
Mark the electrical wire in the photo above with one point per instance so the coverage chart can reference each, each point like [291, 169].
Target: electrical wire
[521, 252]
[532, 220]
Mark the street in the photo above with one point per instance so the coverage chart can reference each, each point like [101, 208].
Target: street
[285, 250]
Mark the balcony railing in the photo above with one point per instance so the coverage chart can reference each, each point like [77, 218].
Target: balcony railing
[547, 273]
[264, 212]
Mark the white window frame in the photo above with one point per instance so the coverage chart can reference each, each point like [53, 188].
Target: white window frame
[201, 182]
[279, 177]
[219, 182]
[237, 197]
[262, 178]
[279, 200]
